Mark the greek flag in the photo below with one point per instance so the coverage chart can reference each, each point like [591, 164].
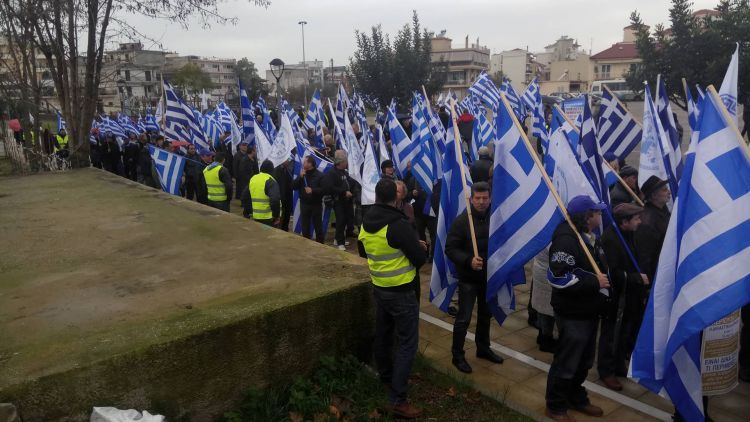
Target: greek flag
[180, 122]
[523, 215]
[383, 153]
[483, 134]
[486, 90]
[354, 150]
[513, 98]
[532, 99]
[671, 151]
[590, 156]
[342, 103]
[703, 273]
[444, 279]
[370, 175]
[618, 132]
[561, 164]
[421, 137]
[126, 124]
[315, 118]
[728, 91]
[61, 122]
[651, 161]
[211, 127]
[150, 123]
[297, 124]
[404, 150]
[108, 125]
[323, 165]
[248, 117]
[267, 124]
[560, 121]
[169, 167]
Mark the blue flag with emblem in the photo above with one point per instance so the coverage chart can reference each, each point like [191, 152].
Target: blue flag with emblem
[702, 275]
[523, 214]
[728, 90]
[169, 167]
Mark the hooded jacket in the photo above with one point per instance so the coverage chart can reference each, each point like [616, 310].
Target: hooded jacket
[400, 235]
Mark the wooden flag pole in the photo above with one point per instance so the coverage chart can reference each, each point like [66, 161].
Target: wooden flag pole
[460, 159]
[622, 182]
[730, 120]
[551, 187]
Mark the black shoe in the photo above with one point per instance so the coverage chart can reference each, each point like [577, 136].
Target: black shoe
[490, 356]
[462, 365]
[452, 311]
[744, 374]
[547, 344]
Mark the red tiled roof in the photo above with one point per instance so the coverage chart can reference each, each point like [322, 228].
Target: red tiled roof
[706, 12]
[621, 50]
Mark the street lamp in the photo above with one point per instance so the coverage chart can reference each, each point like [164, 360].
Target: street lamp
[124, 106]
[277, 69]
[304, 63]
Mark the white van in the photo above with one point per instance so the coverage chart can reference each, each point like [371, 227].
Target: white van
[618, 87]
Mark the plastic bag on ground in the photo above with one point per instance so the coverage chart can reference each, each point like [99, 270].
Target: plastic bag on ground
[111, 414]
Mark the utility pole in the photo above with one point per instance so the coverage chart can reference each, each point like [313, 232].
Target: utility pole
[304, 63]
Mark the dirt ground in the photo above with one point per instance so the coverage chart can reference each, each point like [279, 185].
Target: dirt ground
[93, 265]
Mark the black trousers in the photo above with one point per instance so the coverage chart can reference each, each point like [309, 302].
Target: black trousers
[610, 361]
[286, 215]
[221, 205]
[312, 215]
[468, 294]
[190, 189]
[130, 171]
[574, 357]
[344, 220]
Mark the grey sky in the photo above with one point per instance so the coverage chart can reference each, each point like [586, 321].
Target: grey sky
[262, 34]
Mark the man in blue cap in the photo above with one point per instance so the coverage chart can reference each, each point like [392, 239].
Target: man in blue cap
[578, 299]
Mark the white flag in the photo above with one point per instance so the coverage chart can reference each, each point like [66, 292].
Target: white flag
[728, 91]
[567, 175]
[204, 101]
[651, 162]
[370, 176]
[284, 143]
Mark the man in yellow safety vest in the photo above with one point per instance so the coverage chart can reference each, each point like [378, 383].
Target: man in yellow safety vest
[262, 198]
[394, 254]
[218, 183]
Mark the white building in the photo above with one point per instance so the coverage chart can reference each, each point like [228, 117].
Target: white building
[517, 65]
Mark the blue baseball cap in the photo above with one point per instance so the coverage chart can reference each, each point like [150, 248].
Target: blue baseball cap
[583, 203]
[205, 152]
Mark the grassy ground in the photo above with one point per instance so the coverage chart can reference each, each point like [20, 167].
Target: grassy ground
[346, 390]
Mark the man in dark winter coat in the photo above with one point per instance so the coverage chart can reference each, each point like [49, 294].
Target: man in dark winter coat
[111, 155]
[394, 256]
[621, 320]
[130, 153]
[578, 298]
[618, 194]
[283, 176]
[654, 221]
[143, 164]
[472, 277]
[339, 185]
[310, 198]
[245, 167]
[481, 169]
[193, 166]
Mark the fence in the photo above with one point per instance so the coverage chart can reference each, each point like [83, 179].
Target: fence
[26, 160]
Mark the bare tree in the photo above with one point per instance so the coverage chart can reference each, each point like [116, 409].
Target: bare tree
[72, 34]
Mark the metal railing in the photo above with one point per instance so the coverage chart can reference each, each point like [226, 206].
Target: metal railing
[26, 160]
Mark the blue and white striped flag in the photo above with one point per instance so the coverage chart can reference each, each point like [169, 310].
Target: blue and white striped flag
[61, 122]
[404, 150]
[513, 99]
[728, 90]
[444, 278]
[618, 132]
[590, 156]
[150, 123]
[315, 119]
[651, 162]
[523, 215]
[248, 117]
[267, 124]
[483, 134]
[671, 151]
[422, 166]
[180, 123]
[126, 124]
[703, 274]
[532, 99]
[169, 167]
[211, 127]
[692, 107]
[342, 104]
[108, 125]
[486, 90]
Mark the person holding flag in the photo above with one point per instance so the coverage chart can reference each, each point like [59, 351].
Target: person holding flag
[654, 222]
[472, 277]
[311, 198]
[578, 298]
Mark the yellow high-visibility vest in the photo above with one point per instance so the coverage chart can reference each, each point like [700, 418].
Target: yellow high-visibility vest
[216, 189]
[261, 201]
[389, 267]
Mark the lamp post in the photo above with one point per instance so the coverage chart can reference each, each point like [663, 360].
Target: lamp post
[277, 69]
[304, 63]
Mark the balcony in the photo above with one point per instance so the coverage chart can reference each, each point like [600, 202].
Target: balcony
[602, 76]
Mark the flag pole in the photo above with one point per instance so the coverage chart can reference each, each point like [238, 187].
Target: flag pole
[551, 187]
[622, 182]
[460, 159]
[730, 120]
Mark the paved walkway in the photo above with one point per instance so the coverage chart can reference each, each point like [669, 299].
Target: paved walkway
[522, 379]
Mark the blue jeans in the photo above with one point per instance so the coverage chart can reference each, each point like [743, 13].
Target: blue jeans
[396, 312]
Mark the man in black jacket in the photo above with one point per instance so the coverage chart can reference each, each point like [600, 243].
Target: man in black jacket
[394, 256]
[481, 169]
[621, 320]
[283, 176]
[339, 185]
[472, 277]
[130, 153]
[143, 164]
[193, 166]
[618, 194]
[578, 298]
[654, 222]
[310, 198]
[245, 166]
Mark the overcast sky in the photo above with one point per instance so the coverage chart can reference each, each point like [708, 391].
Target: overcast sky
[262, 34]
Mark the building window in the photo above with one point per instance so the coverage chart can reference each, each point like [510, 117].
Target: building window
[606, 69]
[127, 75]
[148, 76]
[216, 66]
[230, 67]
[130, 90]
[148, 89]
